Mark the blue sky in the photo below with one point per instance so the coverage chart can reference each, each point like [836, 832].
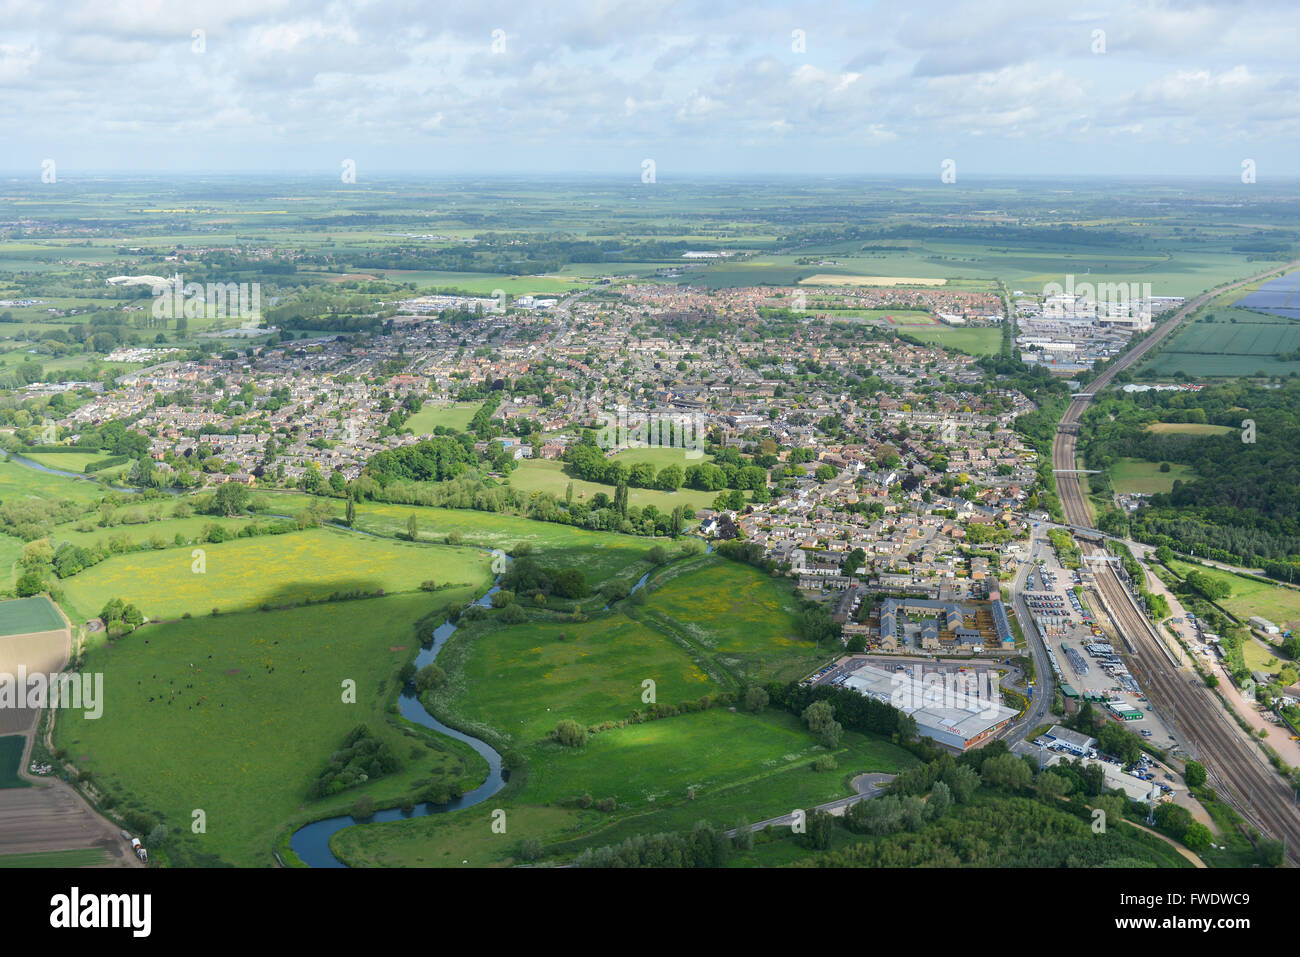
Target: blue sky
[1001, 88]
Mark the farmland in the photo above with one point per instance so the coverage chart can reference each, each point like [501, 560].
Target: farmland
[1229, 341]
[11, 756]
[237, 715]
[270, 570]
[1249, 596]
[1134, 475]
[25, 615]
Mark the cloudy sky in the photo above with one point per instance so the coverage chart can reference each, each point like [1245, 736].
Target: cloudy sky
[1010, 87]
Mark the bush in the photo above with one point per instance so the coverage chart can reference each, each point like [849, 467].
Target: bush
[513, 615]
[570, 734]
[824, 762]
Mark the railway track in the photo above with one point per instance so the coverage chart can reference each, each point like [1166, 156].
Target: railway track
[1239, 772]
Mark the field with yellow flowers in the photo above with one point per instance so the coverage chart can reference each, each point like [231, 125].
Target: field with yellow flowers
[271, 570]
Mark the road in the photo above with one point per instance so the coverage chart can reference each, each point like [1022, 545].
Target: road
[867, 786]
[1044, 677]
[1193, 714]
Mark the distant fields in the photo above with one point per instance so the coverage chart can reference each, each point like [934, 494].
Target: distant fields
[273, 569]
[1229, 342]
[1134, 475]
[1188, 428]
[1029, 265]
[245, 712]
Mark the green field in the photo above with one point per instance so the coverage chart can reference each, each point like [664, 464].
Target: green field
[80, 857]
[482, 284]
[545, 476]
[1188, 428]
[66, 461]
[521, 680]
[19, 482]
[705, 618]
[457, 416]
[270, 569]
[659, 456]
[744, 621]
[1249, 596]
[664, 775]
[1134, 475]
[139, 530]
[600, 554]
[237, 715]
[1229, 342]
[11, 757]
[979, 341]
[24, 615]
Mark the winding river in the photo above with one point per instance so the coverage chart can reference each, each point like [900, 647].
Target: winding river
[312, 842]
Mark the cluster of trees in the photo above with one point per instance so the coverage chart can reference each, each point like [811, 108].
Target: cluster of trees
[434, 460]
[526, 577]
[600, 514]
[121, 618]
[704, 846]
[588, 462]
[1240, 508]
[362, 758]
[852, 710]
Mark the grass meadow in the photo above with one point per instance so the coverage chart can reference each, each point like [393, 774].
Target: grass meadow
[271, 569]
[1135, 475]
[1249, 596]
[744, 621]
[237, 716]
[546, 476]
[663, 775]
[455, 415]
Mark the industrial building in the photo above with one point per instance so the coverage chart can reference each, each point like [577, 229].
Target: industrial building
[1072, 741]
[961, 726]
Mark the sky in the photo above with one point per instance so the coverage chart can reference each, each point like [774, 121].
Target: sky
[992, 87]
